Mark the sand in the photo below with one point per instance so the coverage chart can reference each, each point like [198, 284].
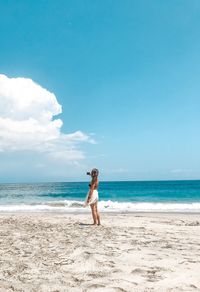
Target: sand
[130, 252]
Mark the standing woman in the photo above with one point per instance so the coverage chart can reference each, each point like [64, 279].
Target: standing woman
[92, 198]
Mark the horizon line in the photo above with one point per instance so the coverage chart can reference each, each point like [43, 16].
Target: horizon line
[106, 181]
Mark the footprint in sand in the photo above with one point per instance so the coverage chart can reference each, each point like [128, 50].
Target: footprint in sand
[138, 271]
[152, 275]
[95, 286]
[196, 223]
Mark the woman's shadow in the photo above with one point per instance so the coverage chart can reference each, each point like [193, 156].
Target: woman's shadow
[85, 224]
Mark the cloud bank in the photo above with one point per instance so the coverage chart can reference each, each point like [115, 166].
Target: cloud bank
[27, 121]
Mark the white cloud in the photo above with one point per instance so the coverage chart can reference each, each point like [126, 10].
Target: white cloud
[26, 121]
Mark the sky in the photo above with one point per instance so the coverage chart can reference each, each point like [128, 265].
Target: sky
[106, 84]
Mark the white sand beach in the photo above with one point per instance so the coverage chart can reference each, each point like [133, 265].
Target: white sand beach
[129, 252]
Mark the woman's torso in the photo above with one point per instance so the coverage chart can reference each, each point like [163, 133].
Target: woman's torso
[95, 184]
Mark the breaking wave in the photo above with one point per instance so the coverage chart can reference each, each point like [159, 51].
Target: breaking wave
[70, 206]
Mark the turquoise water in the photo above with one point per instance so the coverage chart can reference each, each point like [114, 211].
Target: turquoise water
[178, 196]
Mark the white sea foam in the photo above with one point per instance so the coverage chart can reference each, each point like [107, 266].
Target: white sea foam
[104, 206]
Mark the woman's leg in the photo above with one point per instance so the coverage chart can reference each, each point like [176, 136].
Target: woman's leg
[97, 214]
[94, 216]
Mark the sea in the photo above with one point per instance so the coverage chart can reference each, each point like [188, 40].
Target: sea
[115, 196]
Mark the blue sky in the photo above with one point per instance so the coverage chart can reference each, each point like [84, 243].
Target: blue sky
[127, 76]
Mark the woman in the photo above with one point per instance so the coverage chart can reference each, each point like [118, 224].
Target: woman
[92, 198]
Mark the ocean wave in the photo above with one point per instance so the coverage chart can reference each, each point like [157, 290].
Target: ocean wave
[104, 206]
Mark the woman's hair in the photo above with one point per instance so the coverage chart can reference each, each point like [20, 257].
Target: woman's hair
[94, 172]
